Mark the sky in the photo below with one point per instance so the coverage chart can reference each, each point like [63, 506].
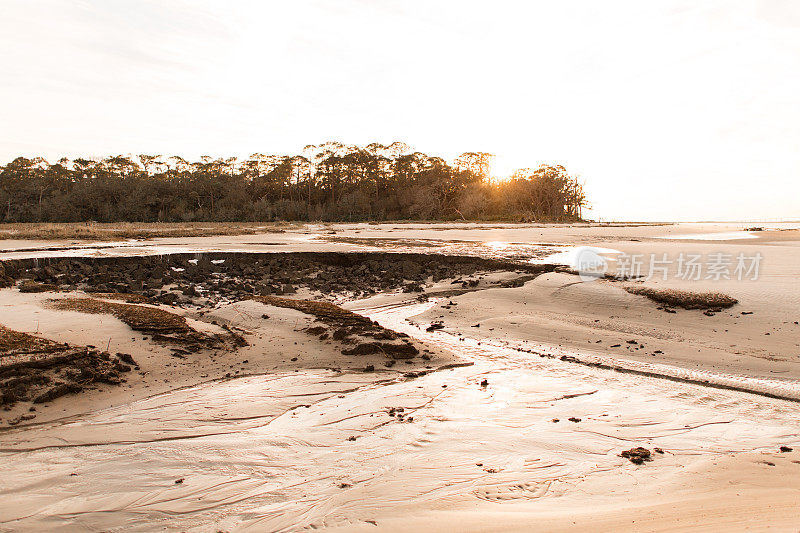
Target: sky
[667, 110]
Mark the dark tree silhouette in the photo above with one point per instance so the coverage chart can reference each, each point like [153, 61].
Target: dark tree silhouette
[331, 181]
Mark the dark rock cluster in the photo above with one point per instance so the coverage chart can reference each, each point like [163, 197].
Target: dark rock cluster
[180, 278]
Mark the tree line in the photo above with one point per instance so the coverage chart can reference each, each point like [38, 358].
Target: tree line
[328, 182]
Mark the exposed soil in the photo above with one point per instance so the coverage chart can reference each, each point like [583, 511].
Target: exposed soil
[185, 278]
[40, 370]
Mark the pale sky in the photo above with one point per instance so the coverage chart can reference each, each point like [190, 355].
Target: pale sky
[669, 110]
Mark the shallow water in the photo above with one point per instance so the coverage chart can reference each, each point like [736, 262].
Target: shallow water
[719, 236]
[273, 453]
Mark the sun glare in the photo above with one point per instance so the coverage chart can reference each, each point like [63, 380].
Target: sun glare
[502, 169]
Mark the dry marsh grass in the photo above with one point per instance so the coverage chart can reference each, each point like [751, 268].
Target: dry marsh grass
[96, 231]
[123, 296]
[685, 299]
[138, 317]
[321, 310]
[16, 343]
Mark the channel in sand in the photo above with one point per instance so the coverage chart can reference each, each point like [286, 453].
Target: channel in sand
[314, 448]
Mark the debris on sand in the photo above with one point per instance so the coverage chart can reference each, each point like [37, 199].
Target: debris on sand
[574, 419]
[637, 455]
[161, 324]
[126, 297]
[685, 299]
[61, 389]
[485, 383]
[29, 285]
[126, 358]
[40, 370]
[151, 320]
[182, 278]
[785, 449]
[365, 336]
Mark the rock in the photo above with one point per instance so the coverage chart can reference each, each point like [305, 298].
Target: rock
[574, 419]
[637, 455]
[341, 334]
[785, 449]
[57, 391]
[34, 286]
[396, 351]
[126, 358]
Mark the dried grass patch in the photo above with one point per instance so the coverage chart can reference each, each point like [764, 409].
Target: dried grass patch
[17, 343]
[132, 230]
[368, 337]
[29, 285]
[325, 311]
[40, 370]
[126, 297]
[138, 317]
[685, 299]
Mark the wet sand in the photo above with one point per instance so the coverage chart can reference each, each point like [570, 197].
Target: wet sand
[285, 445]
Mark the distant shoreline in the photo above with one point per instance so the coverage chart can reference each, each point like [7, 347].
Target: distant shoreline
[106, 231]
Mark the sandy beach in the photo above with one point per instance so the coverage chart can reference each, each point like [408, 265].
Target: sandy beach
[468, 378]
